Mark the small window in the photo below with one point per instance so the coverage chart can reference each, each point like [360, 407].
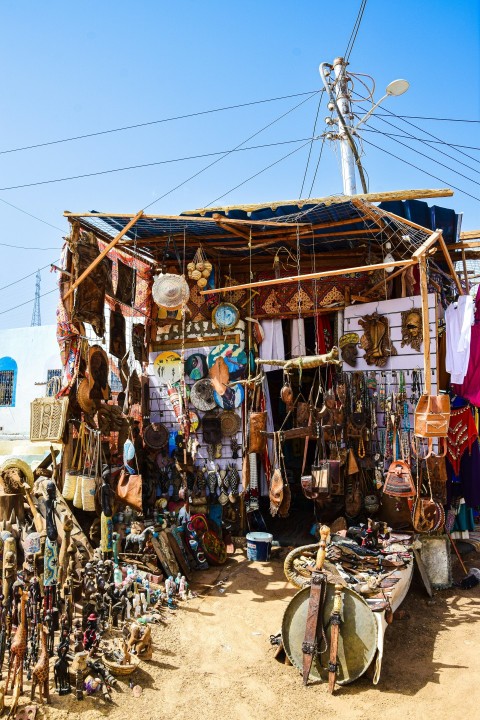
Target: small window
[53, 387]
[8, 381]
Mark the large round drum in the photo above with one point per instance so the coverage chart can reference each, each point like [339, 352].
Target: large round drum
[357, 642]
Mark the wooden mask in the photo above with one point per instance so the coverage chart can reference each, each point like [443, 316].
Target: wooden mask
[376, 339]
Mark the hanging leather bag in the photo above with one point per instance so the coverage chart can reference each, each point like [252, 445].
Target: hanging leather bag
[257, 440]
[432, 416]
[398, 480]
[129, 489]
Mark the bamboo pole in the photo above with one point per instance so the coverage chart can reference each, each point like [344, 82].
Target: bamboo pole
[465, 272]
[386, 279]
[310, 276]
[422, 266]
[104, 252]
[334, 200]
[450, 264]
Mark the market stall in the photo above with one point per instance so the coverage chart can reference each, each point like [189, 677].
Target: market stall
[239, 371]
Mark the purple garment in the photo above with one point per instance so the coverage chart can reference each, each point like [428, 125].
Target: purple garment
[470, 388]
[467, 484]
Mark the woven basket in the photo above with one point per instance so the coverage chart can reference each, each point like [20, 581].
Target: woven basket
[70, 484]
[77, 498]
[89, 488]
[48, 416]
[119, 670]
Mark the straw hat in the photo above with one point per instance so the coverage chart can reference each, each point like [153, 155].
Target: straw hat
[170, 291]
[230, 423]
[155, 436]
[20, 465]
[83, 396]
[201, 395]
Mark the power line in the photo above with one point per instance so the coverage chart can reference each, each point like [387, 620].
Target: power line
[15, 282]
[355, 30]
[442, 152]
[24, 247]
[27, 302]
[30, 215]
[425, 117]
[151, 122]
[422, 170]
[437, 162]
[150, 164]
[311, 144]
[257, 174]
[447, 167]
[424, 140]
[407, 122]
[318, 164]
[265, 127]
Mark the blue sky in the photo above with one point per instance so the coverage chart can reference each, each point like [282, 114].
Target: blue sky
[72, 69]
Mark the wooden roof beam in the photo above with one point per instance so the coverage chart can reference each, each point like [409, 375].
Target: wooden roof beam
[334, 200]
[311, 276]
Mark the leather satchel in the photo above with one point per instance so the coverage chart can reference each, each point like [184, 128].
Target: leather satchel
[432, 416]
[257, 441]
[398, 480]
[303, 414]
[337, 481]
[129, 490]
[437, 476]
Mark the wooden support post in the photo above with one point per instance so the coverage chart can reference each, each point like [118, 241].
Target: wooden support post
[104, 252]
[450, 264]
[465, 272]
[310, 276]
[422, 266]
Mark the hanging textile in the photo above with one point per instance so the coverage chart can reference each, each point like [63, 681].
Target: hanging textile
[89, 303]
[117, 345]
[125, 292]
[323, 334]
[273, 346]
[470, 388]
[459, 319]
[297, 334]
[462, 433]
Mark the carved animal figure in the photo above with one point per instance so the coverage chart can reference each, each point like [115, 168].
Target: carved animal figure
[63, 556]
[139, 539]
[140, 641]
[309, 361]
[18, 648]
[41, 671]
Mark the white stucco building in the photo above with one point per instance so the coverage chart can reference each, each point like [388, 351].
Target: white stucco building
[29, 356]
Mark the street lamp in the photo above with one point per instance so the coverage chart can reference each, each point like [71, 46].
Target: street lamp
[394, 89]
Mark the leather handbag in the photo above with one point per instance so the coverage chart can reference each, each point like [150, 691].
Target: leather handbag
[257, 440]
[337, 481]
[398, 480]
[353, 500]
[303, 414]
[437, 476]
[432, 416]
[129, 489]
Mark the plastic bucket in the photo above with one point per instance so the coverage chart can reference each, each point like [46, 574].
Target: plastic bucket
[258, 546]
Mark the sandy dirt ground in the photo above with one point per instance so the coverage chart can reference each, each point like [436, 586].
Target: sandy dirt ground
[213, 659]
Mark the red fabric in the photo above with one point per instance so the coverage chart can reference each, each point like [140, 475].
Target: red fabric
[462, 433]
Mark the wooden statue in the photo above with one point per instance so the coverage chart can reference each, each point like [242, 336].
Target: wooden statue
[309, 361]
[63, 555]
[376, 339]
[18, 647]
[41, 670]
[412, 328]
[9, 569]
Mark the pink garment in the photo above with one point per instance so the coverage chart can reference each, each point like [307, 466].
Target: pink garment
[470, 388]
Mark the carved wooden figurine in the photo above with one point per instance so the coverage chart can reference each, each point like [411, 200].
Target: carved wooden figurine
[18, 647]
[41, 670]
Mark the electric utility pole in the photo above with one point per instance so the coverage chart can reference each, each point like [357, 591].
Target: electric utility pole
[36, 319]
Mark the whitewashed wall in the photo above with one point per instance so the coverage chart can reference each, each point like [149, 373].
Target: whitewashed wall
[35, 350]
[407, 359]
